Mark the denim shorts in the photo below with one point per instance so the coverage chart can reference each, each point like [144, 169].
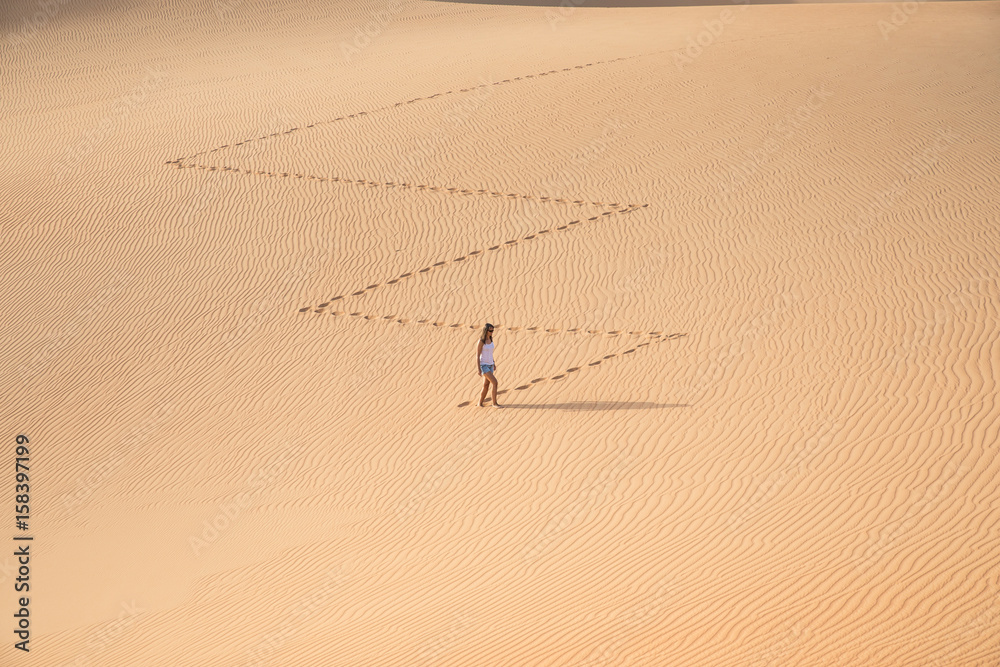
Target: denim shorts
[487, 368]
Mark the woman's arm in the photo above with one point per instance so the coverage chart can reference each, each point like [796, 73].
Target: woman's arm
[479, 351]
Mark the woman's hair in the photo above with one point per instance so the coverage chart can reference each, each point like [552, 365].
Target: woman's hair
[482, 335]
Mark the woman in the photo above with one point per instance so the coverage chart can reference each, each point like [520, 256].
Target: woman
[485, 364]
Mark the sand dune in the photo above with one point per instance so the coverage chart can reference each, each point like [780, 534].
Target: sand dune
[743, 264]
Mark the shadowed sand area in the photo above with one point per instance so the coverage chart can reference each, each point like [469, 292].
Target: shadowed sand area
[744, 274]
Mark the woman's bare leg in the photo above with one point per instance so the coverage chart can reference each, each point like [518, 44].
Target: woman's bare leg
[493, 381]
[486, 387]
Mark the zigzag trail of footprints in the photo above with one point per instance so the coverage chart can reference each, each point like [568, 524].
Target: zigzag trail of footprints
[655, 336]
[181, 163]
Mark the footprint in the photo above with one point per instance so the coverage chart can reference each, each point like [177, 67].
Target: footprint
[523, 386]
[475, 252]
[496, 247]
[424, 270]
[610, 356]
[629, 351]
[465, 404]
[304, 310]
[358, 293]
[595, 363]
[324, 305]
[563, 227]
[572, 370]
[392, 282]
[552, 330]
[528, 238]
[439, 263]
[537, 380]
[558, 377]
[405, 275]
[459, 259]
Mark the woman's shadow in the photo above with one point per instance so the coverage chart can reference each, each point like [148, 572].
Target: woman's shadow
[590, 406]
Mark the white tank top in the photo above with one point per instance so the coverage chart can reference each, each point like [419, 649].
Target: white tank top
[486, 356]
